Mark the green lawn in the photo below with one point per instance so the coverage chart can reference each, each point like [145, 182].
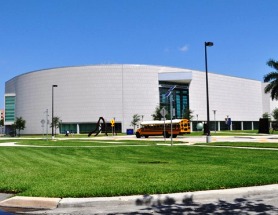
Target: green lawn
[195, 133]
[128, 170]
[230, 133]
[233, 133]
[77, 143]
[243, 144]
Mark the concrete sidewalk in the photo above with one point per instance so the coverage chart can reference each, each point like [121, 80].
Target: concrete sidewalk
[253, 200]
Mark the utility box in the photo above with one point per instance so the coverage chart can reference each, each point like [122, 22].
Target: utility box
[263, 126]
[129, 131]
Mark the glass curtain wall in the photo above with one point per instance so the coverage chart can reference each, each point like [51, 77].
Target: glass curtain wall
[85, 128]
[180, 99]
[9, 109]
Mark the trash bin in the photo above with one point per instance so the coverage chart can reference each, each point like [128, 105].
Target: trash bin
[12, 133]
[264, 126]
[205, 128]
[129, 131]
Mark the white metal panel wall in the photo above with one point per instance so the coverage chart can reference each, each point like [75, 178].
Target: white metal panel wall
[32, 99]
[239, 98]
[140, 92]
[86, 93]
[83, 95]
[197, 96]
[10, 86]
[266, 100]
[273, 105]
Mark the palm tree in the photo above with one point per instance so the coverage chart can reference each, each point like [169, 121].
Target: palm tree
[188, 114]
[56, 123]
[158, 116]
[272, 78]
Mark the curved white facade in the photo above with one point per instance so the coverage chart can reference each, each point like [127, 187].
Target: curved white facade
[85, 93]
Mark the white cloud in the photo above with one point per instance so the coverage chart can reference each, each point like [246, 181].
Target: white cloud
[184, 48]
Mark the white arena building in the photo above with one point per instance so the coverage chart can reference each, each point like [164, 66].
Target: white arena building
[85, 93]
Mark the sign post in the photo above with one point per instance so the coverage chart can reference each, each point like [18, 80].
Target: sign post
[164, 112]
[112, 121]
[169, 93]
[42, 122]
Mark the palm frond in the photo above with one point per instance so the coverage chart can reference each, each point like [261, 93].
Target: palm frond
[273, 64]
[268, 87]
[271, 76]
[274, 92]
[272, 88]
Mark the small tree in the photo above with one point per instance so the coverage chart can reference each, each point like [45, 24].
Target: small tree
[135, 120]
[19, 124]
[275, 114]
[266, 115]
[56, 122]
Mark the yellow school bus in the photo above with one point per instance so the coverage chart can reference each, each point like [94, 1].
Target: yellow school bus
[156, 128]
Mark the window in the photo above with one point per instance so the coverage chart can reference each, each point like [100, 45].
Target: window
[9, 109]
[180, 96]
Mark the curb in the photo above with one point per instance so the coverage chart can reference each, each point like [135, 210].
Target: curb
[209, 195]
[4, 196]
[30, 202]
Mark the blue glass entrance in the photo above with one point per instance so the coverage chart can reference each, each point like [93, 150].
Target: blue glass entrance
[180, 96]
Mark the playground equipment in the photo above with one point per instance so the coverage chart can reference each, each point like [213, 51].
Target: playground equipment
[99, 128]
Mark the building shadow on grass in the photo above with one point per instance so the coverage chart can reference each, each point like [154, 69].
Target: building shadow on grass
[188, 206]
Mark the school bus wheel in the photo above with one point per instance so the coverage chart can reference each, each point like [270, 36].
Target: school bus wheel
[138, 135]
[166, 134]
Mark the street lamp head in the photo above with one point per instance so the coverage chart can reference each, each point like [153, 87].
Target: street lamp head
[208, 43]
[54, 85]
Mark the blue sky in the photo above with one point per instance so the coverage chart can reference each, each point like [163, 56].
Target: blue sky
[39, 34]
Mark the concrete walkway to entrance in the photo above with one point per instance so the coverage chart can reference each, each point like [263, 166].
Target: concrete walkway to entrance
[188, 140]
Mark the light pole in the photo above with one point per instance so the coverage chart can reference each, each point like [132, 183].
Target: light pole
[207, 44]
[53, 109]
[214, 112]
